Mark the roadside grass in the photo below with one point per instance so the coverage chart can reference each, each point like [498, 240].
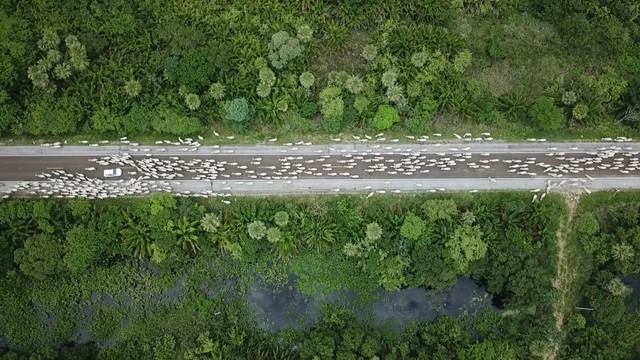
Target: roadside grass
[566, 274]
[575, 265]
[446, 124]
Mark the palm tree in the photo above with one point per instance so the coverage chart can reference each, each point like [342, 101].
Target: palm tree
[281, 218]
[210, 222]
[132, 88]
[274, 235]
[374, 232]
[616, 287]
[257, 230]
[317, 232]
[286, 247]
[622, 252]
[136, 238]
[185, 232]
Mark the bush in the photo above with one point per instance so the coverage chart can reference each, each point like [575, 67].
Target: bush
[580, 111]
[332, 125]
[331, 103]
[167, 121]
[385, 117]
[200, 66]
[283, 48]
[307, 80]
[236, 110]
[412, 227]
[495, 48]
[420, 116]
[257, 230]
[40, 257]
[587, 224]
[546, 115]
[81, 248]
[51, 116]
[104, 121]
[281, 218]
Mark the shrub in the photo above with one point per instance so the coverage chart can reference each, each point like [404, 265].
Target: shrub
[420, 116]
[81, 248]
[308, 109]
[198, 67]
[369, 52]
[256, 230]
[385, 117]
[412, 227]
[283, 48]
[103, 120]
[50, 116]
[267, 76]
[40, 257]
[132, 88]
[236, 110]
[354, 84]
[580, 111]
[389, 78]
[307, 79]
[331, 103]
[216, 91]
[546, 114]
[304, 33]
[495, 48]
[419, 59]
[168, 121]
[361, 104]
[192, 101]
[373, 232]
[274, 235]
[332, 125]
[137, 120]
[281, 218]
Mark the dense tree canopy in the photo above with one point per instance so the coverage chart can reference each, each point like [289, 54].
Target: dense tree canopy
[118, 257]
[91, 68]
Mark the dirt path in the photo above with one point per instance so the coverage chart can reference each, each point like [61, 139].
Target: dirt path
[564, 276]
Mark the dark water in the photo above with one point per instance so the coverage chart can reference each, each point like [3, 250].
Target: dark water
[284, 308]
[633, 282]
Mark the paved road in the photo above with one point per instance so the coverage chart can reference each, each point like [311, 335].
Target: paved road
[340, 167]
[26, 168]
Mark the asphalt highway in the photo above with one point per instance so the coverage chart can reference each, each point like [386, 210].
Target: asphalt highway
[313, 167]
[26, 168]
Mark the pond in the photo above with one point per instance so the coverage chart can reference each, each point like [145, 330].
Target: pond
[633, 282]
[285, 307]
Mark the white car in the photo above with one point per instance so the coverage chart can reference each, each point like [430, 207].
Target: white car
[108, 173]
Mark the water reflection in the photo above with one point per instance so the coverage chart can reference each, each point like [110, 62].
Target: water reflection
[287, 308]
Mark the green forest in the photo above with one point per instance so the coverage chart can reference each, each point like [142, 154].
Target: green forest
[170, 278]
[560, 69]
[606, 239]
[101, 268]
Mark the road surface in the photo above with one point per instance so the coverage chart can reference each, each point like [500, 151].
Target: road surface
[216, 170]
